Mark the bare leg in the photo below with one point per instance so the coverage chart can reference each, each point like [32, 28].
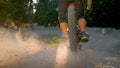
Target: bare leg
[82, 24]
[63, 26]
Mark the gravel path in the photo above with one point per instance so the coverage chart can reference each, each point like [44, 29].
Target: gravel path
[31, 51]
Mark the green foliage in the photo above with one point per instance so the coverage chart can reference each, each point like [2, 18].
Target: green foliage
[13, 9]
[19, 9]
[46, 13]
[3, 10]
[52, 40]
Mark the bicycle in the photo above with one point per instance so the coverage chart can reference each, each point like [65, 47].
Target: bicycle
[73, 30]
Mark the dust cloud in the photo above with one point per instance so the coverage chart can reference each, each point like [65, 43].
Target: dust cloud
[15, 45]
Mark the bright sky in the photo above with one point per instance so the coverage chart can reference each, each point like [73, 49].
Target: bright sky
[34, 10]
[35, 1]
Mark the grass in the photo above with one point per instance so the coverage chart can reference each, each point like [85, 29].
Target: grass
[52, 40]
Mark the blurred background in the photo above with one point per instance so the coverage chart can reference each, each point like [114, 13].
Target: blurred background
[104, 13]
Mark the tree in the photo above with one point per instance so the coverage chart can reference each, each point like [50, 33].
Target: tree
[46, 13]
[30, 13]
[14, 10]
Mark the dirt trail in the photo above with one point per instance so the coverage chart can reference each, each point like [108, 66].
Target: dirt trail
[32, 51]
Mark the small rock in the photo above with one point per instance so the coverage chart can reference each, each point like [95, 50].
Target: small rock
[104, 31]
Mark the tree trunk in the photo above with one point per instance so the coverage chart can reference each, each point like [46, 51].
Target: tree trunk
[31, 17]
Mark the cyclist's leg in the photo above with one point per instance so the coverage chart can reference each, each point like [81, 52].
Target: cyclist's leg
[80, 6]
[80, 14]
[62, 8]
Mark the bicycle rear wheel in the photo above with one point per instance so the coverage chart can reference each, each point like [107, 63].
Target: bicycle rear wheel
[72, 28]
